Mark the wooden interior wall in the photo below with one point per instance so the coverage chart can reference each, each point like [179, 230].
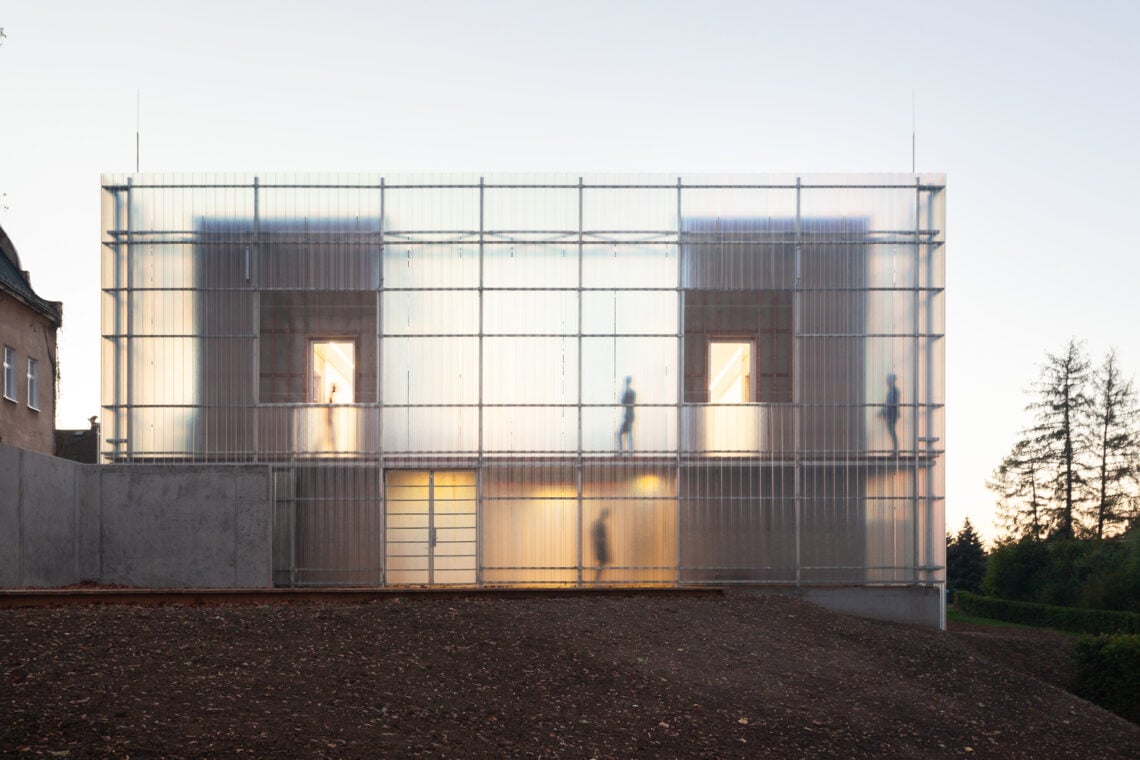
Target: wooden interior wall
[290, 320]
[763, 316]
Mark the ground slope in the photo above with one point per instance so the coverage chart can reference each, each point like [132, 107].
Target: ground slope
[586, 676]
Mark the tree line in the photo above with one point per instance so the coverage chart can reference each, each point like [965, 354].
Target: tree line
[1072, 473]
[1068, 509]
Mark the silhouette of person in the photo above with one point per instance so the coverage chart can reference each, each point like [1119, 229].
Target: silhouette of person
[330, 428]
[601, 543]
[628, 398]
[890, 411]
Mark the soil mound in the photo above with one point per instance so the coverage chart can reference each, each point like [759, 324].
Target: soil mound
[583, 676]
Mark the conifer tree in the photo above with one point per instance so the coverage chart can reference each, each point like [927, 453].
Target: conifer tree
[1021, 486]
[1060, 415]
[1114, 442]
[965, 560]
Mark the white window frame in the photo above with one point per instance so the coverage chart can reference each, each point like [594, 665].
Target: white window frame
[9, 373]
[33, 384]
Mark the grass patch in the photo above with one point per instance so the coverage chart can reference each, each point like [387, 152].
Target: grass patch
[1076, 619]
[957, 616]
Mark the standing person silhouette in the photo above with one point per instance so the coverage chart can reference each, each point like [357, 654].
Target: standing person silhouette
[330, 427]
[628, 398]
[601, 543]
[890, 411]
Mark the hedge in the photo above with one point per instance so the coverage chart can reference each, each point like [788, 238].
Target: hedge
[1108, 673]
[1048, 616]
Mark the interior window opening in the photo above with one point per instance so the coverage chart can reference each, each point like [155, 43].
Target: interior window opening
[333, 379]
[730, 372]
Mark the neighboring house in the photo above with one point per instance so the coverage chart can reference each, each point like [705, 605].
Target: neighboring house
[28, 326]
[79, 445]
[434, 368]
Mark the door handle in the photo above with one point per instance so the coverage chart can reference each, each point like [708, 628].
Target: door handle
[433, 538]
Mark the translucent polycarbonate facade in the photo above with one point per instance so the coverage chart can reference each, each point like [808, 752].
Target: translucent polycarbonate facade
[544, 380]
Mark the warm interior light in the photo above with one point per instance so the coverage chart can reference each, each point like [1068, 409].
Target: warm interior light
[334, 372]
[647, 483]
[730, 372]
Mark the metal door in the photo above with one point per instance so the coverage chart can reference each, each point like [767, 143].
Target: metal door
[430, 527]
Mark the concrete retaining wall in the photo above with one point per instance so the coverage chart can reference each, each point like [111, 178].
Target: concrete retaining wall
[39, 504]
[916, 605]
[158, 526]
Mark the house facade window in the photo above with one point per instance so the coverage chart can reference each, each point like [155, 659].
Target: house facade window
[9, 373]
[33, 384]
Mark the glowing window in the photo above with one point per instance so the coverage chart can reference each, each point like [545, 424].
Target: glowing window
[333, 375]
[730, 372]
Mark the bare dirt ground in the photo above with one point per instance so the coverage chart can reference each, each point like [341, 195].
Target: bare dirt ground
[1041, 653]
[543, 677]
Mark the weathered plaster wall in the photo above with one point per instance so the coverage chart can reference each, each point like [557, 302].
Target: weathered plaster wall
[32, 335]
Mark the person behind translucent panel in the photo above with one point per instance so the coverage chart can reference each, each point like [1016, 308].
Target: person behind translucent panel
[890, 411]
[628, 398]
[330, 424]
[601, 539]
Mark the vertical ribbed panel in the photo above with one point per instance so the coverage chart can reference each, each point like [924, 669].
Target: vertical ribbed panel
[435, 366]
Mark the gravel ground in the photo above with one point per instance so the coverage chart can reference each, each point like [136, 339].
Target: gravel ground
[540, 677]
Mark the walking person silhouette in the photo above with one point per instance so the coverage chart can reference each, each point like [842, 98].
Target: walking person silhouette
[601, 543]
[628, 398]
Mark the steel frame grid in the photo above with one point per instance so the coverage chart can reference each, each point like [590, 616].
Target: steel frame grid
[922, 240]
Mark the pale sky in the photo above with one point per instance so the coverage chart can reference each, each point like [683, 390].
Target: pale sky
[1029, 108]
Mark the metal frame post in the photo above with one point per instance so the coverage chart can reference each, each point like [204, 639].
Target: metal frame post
[117, 426]
[379, 390]
[797, 381]
[915, 369]
[479, 459]
[581, 460]
[930, 439]
[254, 282]
[677, 512]
[128, 439]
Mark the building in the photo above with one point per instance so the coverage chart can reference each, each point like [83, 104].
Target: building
[79, 445]
[435, 369]
[28, 326]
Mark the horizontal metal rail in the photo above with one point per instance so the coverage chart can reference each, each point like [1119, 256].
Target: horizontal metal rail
[10, 598]
[476, 186]
[900, 289]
